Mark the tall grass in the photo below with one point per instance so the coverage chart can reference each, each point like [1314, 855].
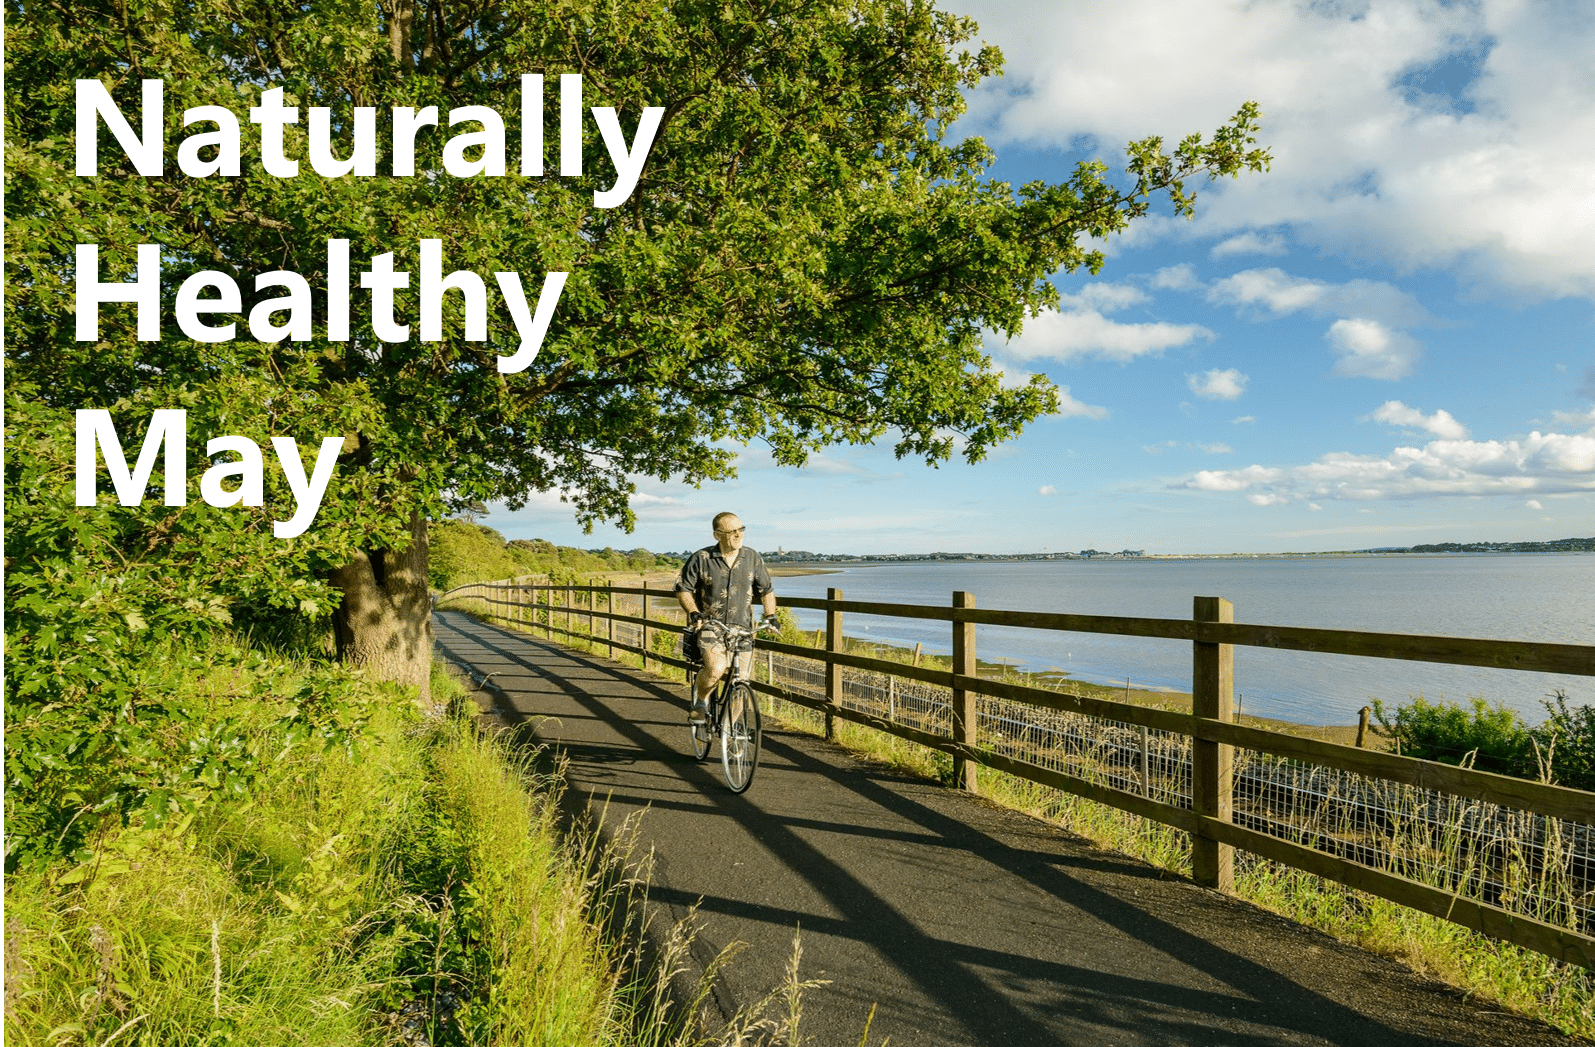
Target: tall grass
[415, 888]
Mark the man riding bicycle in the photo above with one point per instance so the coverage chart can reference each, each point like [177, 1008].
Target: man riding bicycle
[717, 587]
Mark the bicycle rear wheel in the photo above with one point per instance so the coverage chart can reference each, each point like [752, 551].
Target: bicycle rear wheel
[702, 735]
[740, 734]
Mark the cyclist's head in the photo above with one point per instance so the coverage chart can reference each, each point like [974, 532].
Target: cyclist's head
[727, 531]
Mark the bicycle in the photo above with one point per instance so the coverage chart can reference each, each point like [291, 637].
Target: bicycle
[733, 715]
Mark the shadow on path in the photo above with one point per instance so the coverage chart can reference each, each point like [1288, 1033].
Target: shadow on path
[960, 922]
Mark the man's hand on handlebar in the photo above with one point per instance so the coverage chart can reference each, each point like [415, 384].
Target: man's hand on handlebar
[769, 626]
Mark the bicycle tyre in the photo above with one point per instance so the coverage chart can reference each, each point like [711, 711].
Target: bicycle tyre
[702, 735]
[740, 736]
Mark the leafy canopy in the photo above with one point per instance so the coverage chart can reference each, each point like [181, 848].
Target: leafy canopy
[806, 260]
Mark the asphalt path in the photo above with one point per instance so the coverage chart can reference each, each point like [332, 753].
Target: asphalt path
[958, 922]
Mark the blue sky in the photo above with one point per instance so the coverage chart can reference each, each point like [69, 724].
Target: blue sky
[1389, 339]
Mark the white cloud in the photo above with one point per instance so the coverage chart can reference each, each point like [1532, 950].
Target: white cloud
[1369, 349]
[1574, 419]
[1046, 490]
[1180, 277]
[1227, 384]
[1069, 407]
[1217, 448]
[1231, 480]
[1249, 243]
[1105, 298]
[1012, 377]
[1493, 177]
[1441, 424]
[1087, 333]
[1280, 293]
[1533, 503]
[1245, 419]
[1540, 463]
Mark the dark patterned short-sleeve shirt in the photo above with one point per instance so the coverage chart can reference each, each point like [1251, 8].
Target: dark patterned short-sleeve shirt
[725, 593]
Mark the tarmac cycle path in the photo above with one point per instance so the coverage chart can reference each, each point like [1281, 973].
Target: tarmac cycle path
[957, 921]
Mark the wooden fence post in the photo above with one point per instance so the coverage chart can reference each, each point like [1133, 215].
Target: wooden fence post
[1146, 763]
[609, 605]
[964, 714]
[643, 628]
[833, 672]
[1212, 684]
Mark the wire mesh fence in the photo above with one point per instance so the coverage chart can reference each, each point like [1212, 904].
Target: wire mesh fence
[1521, 861]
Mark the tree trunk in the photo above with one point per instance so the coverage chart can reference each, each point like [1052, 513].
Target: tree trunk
[384, 623]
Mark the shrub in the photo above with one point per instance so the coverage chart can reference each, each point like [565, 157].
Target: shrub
[1491, 738]
[1567, 741]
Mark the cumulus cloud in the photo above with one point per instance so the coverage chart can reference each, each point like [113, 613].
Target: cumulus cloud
[1367, 340]
[1105, 297]
[1069, 407]
[1574, 419]
[1180, 277]
[1492, 175]
[1245, 419]
[1087, 333]
[1369, 349]
[1249, 243]
[1533, 503]
[1280, 293]
[1227, 384]
[1540, 463]
[1046, 490]
[1219, 448]
[1441, 424]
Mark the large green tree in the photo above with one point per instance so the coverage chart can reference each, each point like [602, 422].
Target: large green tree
[806, 260]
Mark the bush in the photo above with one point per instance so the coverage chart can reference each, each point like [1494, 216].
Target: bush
[1567, 741]
[1489, 738]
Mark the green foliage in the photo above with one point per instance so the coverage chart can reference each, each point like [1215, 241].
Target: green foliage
[806, 260]
[1479, 735]
[410, 883]
[1566, 741]
[465, 552]
[169, 731]
[1560, 750]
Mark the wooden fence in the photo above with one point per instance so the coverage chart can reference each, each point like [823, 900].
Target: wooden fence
[577, 610]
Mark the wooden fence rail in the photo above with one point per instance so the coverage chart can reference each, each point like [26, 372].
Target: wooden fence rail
[1209, 725]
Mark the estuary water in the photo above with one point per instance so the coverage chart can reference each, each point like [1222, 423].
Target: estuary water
[1546, 597]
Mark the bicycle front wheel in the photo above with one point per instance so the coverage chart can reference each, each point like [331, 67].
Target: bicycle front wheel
[740, 734]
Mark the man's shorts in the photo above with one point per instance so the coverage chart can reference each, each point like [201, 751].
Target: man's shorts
[711, 635]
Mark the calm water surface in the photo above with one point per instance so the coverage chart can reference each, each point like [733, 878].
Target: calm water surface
[1547, 597]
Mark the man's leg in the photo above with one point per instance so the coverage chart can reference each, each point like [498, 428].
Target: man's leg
[714, 667]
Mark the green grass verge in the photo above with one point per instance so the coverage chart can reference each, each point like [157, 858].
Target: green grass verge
[413, 887]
